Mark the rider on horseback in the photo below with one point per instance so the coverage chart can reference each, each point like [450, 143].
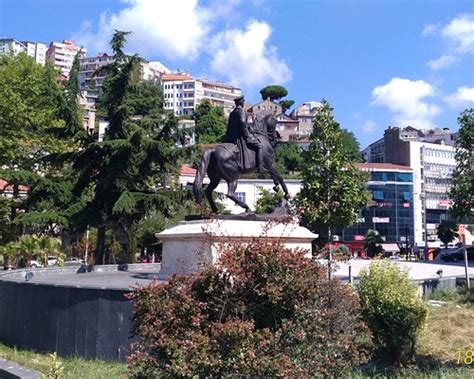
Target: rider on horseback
[239, 133]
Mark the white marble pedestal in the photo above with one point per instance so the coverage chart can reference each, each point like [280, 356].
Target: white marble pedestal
[191, 245]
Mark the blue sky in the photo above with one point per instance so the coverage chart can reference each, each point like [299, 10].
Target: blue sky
[378, 63]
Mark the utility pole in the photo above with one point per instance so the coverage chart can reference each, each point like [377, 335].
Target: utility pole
[87, 246]
[462, 232]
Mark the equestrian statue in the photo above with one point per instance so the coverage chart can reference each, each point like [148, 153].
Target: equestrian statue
[244, 149]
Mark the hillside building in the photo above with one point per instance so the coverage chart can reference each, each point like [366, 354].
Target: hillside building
[32, 49]
[62, 54]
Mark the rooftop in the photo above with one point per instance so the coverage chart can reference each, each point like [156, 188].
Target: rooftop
[381, 167]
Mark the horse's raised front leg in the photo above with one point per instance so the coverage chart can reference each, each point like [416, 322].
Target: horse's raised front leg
[278, 179]
[231, 187]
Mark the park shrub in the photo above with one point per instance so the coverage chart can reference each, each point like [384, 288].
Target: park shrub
[391, 307]
[264, 310]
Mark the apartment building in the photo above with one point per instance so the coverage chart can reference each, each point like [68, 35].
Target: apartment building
[182, 93]
[179, 94]
[32, 49]
[91, 80]
[62, 54]
[304, 113]
[430, 154]
[91, 85]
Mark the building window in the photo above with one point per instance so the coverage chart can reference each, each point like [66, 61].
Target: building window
[406, 196]
[240, 196]
[378, 195]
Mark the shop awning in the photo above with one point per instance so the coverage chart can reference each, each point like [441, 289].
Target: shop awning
[390, 247]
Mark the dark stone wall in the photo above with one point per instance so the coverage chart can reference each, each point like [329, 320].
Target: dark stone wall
[87, 322]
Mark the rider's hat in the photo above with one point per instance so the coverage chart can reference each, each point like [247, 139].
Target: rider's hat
[237, 99]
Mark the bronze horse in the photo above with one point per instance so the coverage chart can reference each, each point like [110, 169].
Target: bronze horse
[221, 162]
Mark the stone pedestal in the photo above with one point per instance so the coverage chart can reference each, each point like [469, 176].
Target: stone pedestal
[191, 245]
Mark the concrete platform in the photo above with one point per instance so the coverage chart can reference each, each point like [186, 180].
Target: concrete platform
[416, 270]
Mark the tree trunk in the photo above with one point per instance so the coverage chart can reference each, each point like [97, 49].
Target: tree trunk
[131, 245]
[99, 251]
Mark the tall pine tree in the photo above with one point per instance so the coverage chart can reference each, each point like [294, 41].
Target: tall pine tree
[125, 175]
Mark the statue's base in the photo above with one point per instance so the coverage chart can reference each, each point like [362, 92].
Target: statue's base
[192, 245]
[278, 214]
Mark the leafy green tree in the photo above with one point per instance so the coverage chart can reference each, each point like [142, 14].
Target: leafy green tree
[50, 203]
[267, 201]
[333, 189]
[32, 105]
[210, 122]
[273, 92]
[351, 145]
[447, 231]
[288, 158]
[127, 175]
[286, 104]
[462, 191]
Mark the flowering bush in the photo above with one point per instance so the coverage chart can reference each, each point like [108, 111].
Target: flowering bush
[392, 309]
[263, 311]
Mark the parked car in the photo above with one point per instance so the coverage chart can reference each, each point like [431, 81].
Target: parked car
[52, 261]
[457, 254]
[73, 261]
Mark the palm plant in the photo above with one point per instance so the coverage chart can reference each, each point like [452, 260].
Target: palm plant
[8, 252]
[372, 242]
[28, 248]
[50, 247]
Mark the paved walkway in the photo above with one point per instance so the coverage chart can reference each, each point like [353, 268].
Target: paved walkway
[11, 370]
[416, 270]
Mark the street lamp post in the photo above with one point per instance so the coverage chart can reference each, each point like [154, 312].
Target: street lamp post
[373, 215]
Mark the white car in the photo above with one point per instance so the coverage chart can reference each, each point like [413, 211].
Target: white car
[73, 262]
[52, 261]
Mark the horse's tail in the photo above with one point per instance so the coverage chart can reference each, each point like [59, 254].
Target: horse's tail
[200, 173]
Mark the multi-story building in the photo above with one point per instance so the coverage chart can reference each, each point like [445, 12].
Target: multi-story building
[90, 79]
[391, 210]
[431, 157]
[62, 54]
[286, 127]
[182, 93]
[36, 50]
[218, 93]
[32, 49]
[179, 93]
[305, 113]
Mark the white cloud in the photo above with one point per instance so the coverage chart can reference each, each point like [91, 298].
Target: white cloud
[369, 126]
[246, 58]
[462, 97]
[459, 33]
[442, 62]
[406, 99]
[174, 29]
[430, 29]
[185, 30]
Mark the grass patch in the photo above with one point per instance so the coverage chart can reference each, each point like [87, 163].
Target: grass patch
[72, 367]
[449, 329]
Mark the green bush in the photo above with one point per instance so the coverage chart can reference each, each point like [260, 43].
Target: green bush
[268, 312]
[392, 309]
